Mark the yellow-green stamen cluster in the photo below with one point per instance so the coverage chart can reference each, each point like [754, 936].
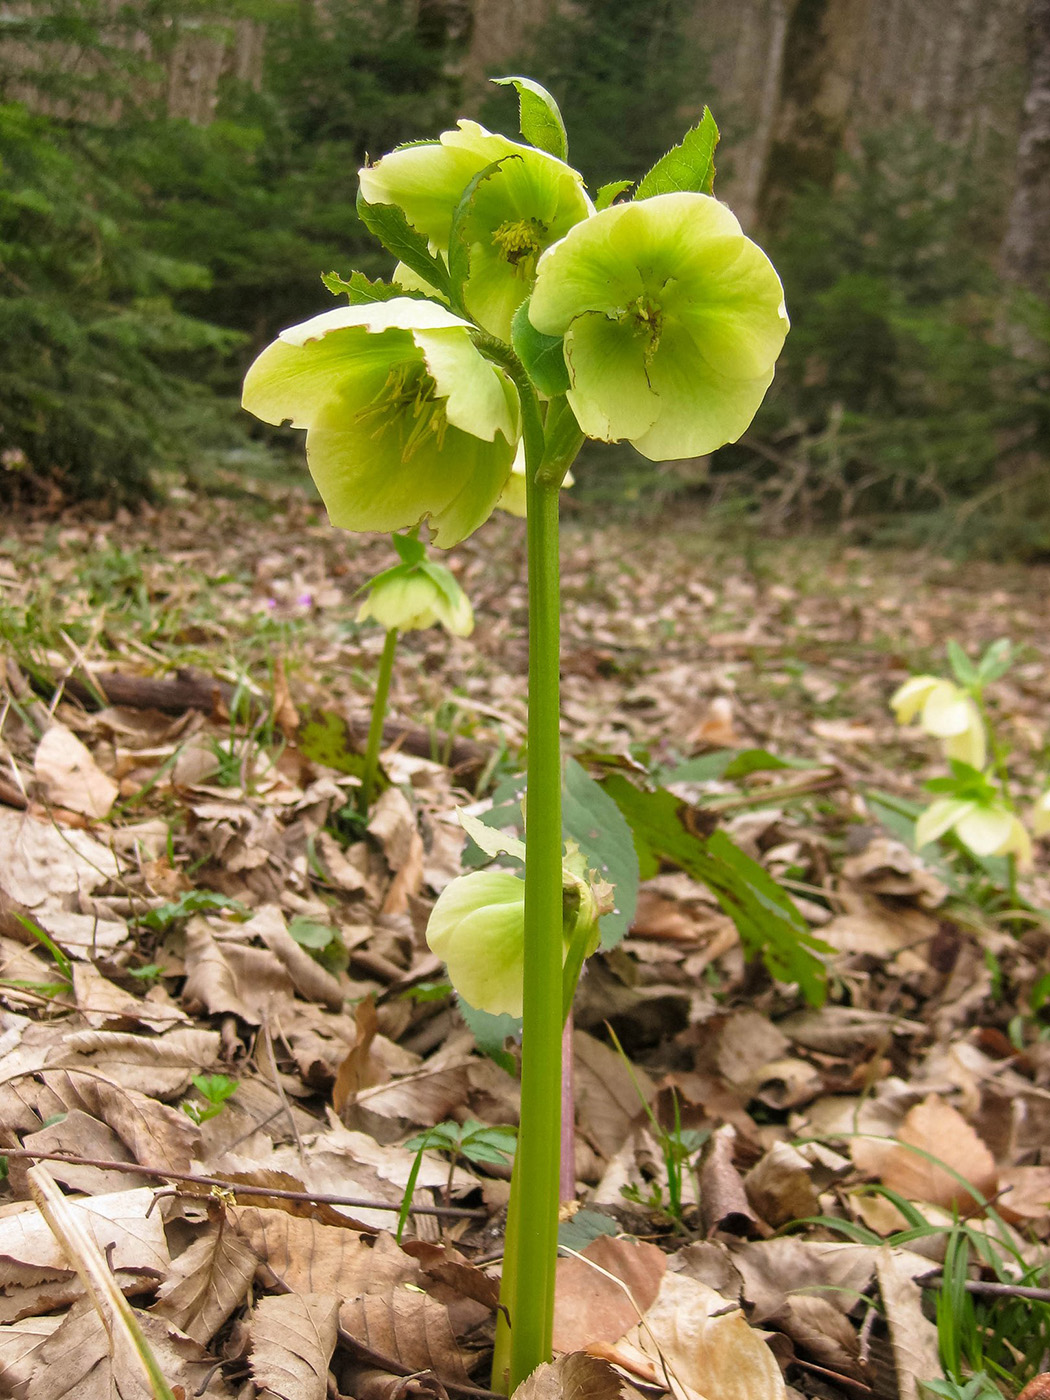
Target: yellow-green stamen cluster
[407, 399]
[521, 241]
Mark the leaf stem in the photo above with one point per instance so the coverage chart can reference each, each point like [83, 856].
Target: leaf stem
[375, 728]
[527, 1292]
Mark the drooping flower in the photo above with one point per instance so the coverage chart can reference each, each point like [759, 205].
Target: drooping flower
[672, 321]
[517, 211]
[1041, 814]
[411, 597]
[405, 419]
[514, 493]
[477, 927]
[987, 828]
[945, 711]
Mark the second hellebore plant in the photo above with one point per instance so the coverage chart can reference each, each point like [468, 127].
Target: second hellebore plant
[523, 312]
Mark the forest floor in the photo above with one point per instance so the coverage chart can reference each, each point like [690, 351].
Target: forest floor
[217, 989]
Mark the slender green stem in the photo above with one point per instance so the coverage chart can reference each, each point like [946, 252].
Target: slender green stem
[527, 1291]
[375, 729]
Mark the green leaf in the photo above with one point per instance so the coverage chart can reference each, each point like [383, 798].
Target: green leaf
[359, 290]
[460, 240]
[963, 669]
[490, 1032]
[689, 166]
[539, 117]
[388, 223]
[592, 819]
[664, 829]
[324, 737]
[607, 193]
[996, 661]
[542, 355]
[410, 548]
[585, 1226]
[493, 842]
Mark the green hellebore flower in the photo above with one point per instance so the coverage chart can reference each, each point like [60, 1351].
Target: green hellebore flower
[986, 828]
[1041, 814]
[672, 322]
[517, 212]
[945, 711]
[477, 927]
[404, 417]
[411, 597]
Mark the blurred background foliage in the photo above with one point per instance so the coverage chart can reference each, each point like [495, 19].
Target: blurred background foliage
[174, 179]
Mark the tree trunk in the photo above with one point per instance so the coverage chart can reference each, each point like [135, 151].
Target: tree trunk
[1025, 250]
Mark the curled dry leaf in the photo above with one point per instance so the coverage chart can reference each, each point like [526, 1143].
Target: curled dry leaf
[912, 1335]
[79, 1135]
[121, 1225]
[158, 1066]
[308, 1257]
[155, 1135]
[687, 1339]
[292, 1340]
[931, 1130]
[723, 1201]
[70, 776]
[228, 977]
[41, 863]
[601, 1293]
[411, 1329]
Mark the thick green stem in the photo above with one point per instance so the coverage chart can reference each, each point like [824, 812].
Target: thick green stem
[527, 1291]
[375, 729]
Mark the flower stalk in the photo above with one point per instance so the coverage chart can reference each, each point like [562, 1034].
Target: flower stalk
[532, 1227]
[375, 728]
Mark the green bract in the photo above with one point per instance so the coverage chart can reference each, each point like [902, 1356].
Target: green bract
[405, 418]
[530, 201]
[672, 322]
[413, 596]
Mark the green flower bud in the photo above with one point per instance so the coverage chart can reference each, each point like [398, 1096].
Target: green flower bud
[411, 597]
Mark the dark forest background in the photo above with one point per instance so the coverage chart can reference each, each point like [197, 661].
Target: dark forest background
[174, 179]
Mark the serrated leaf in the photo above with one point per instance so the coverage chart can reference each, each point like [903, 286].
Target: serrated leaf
[592, 819]
[459, 238]
[360, 290]
[388, 223]
[607, 193]
[688, 166]
[542, 355]
[494, 843]
[663, 828]
[539, 117]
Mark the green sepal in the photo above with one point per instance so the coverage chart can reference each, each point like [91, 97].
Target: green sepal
[410, 549]
[607, 193]
[388, 223]
[459, 238]
[965, 672]
[539, 117]
[996, 661]
[689, 166]
[542, 355]
[360, 290]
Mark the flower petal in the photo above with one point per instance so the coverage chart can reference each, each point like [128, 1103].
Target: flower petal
[700, 410]
[969, 746]
[987, 831]
[479, 397]
[947, 711]
[293, 382]
[477, 927]
[593, 268]
[939, 817]
[426, 181]
[908, 699]
[610, 392]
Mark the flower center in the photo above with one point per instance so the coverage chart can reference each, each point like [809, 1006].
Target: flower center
[408, 404]
[520, 242]
[644, 317]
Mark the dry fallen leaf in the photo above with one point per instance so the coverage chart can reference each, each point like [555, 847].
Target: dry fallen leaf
[912, 1335]
[292, 1340]
[689, 1339]
[932, 1129]
[70, 776]
[406, 1327]
[207, 1282]
[575, 1376]
[590, 1306]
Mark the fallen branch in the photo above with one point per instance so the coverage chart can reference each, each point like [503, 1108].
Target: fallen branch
[238, 1188]
[989, 1289]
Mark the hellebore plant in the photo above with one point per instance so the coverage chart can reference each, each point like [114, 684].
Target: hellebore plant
[409, 597]
[524, 315]
[976, 801]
